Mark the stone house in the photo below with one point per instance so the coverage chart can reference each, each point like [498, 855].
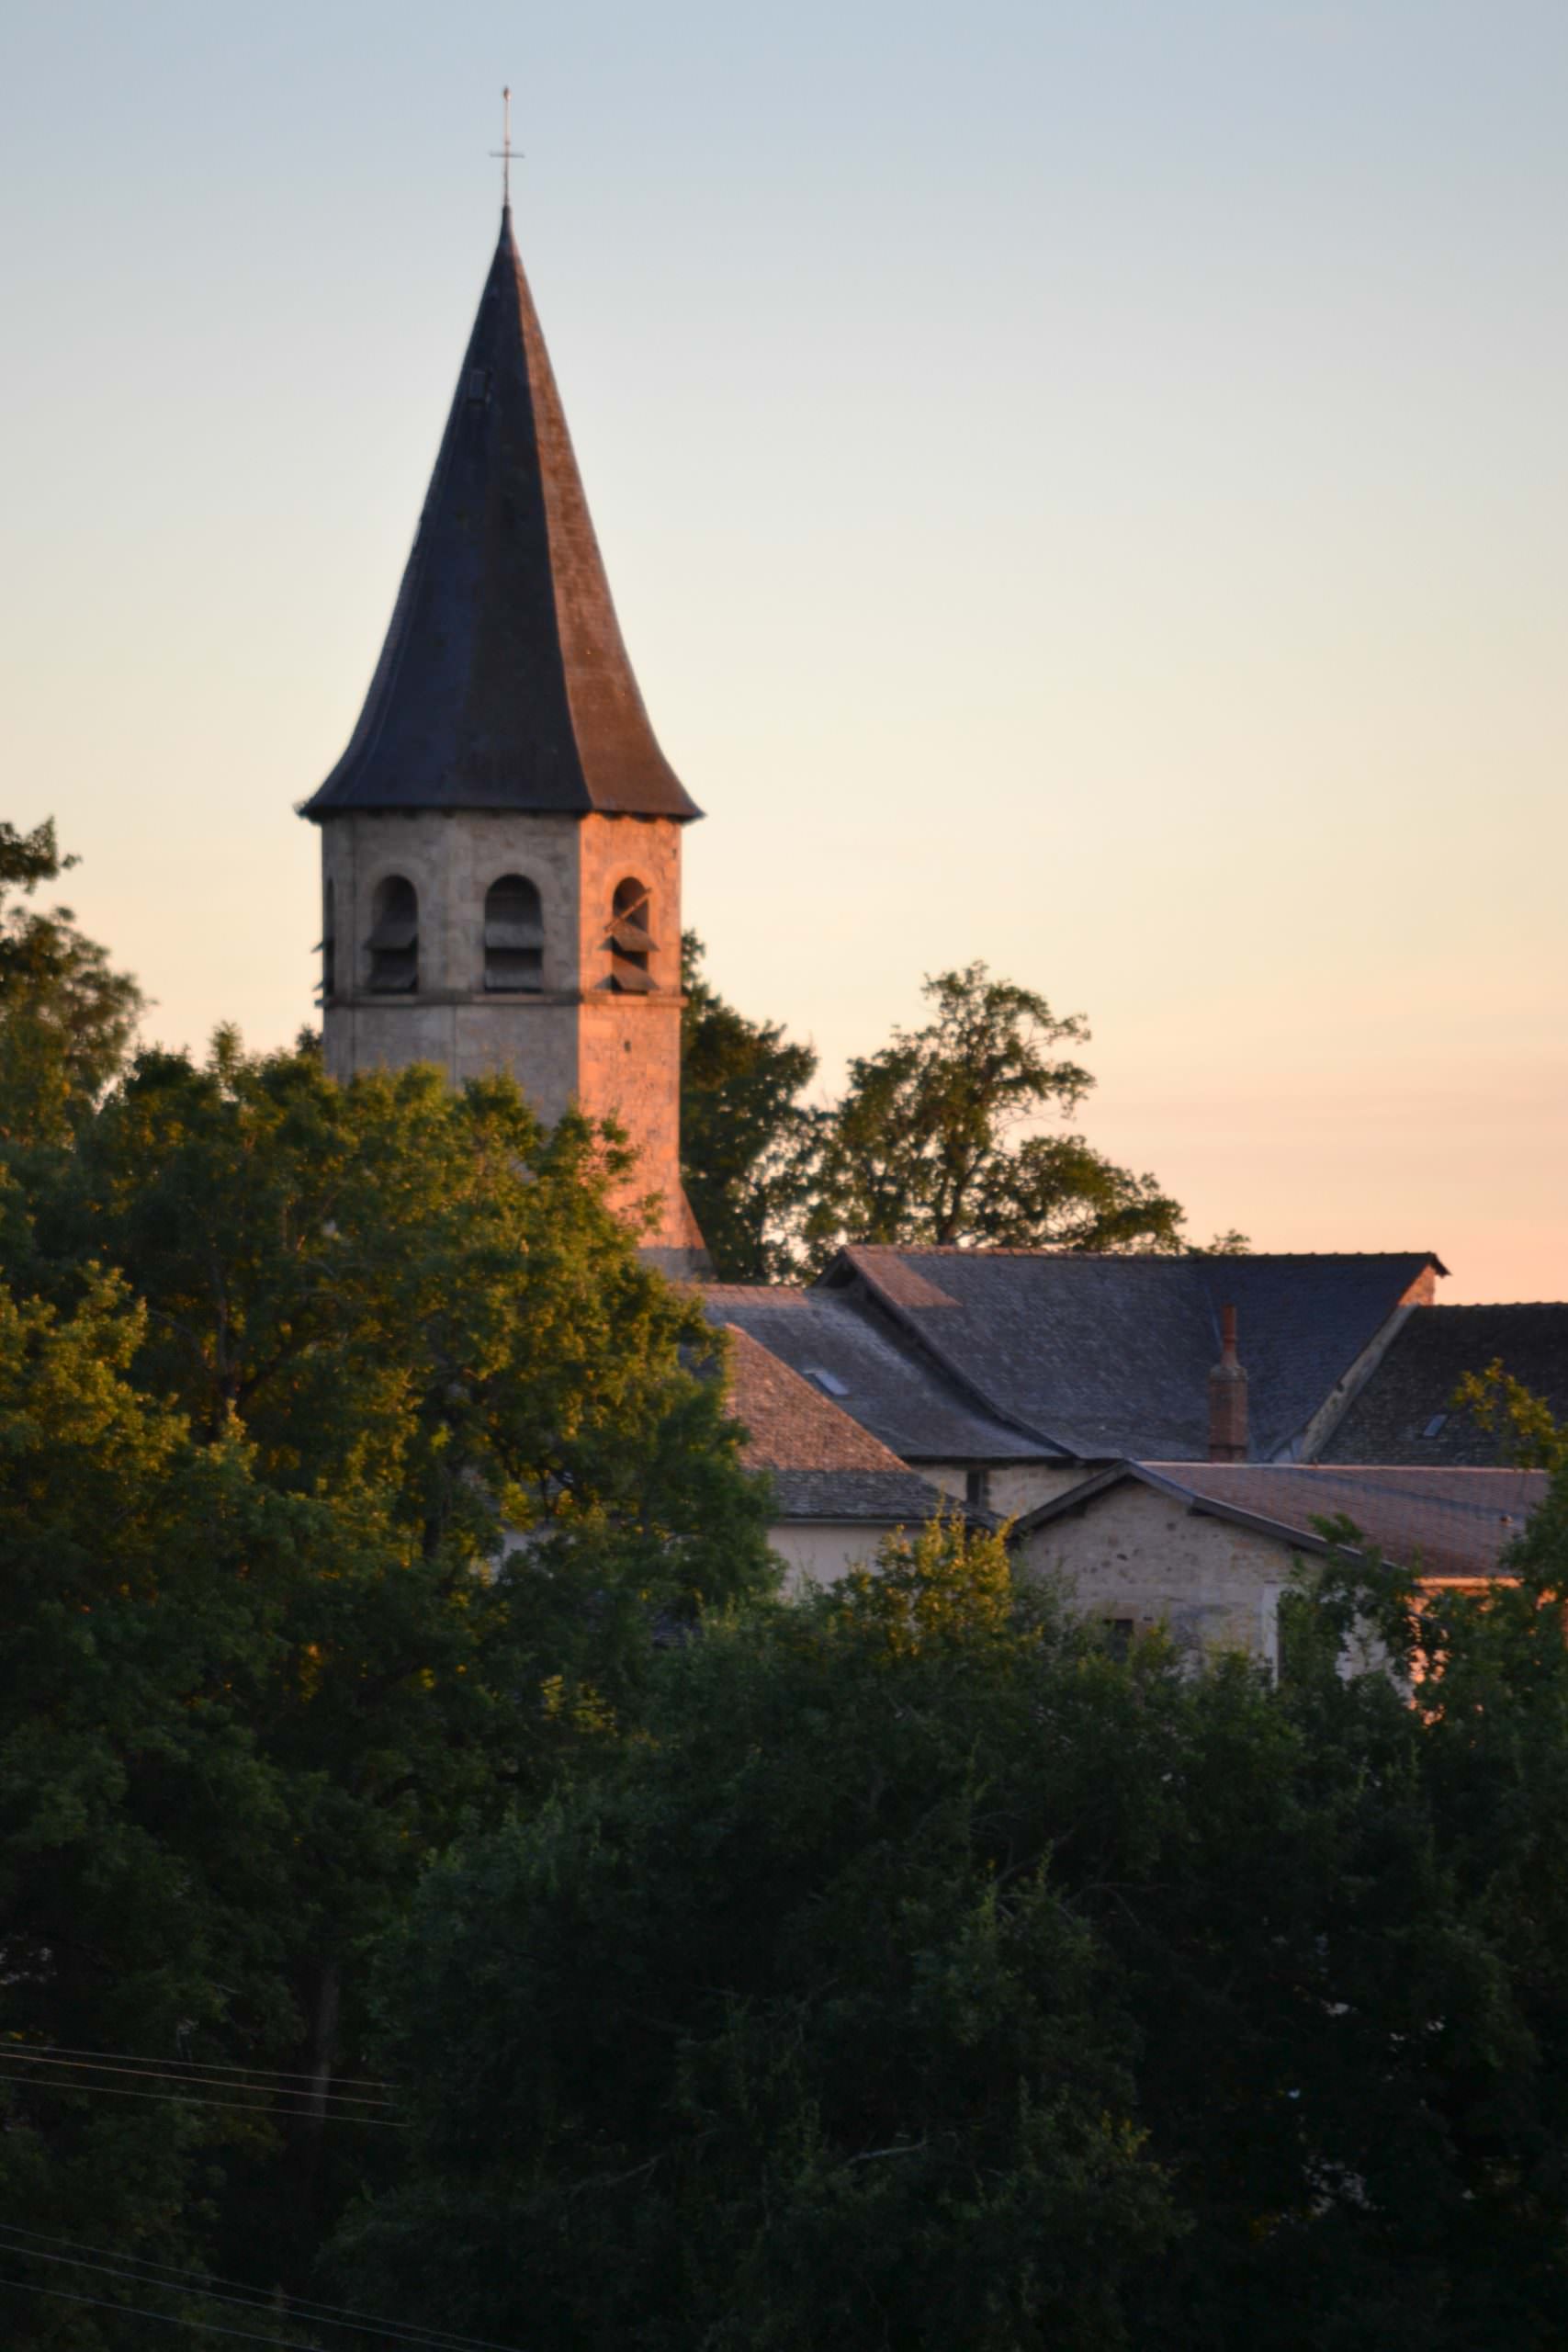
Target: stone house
[1004, 1375]
[1206, 1548]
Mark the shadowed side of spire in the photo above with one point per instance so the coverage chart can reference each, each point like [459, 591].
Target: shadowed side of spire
[504, 682]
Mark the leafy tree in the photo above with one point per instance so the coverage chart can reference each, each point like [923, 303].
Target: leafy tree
[66, 1018]
[925, 1975]
[145, 1843]
[759, 2041]
[935, 1141]
[924, 1148]
[496, 1464]
[1523, 1422]
[745, 1138]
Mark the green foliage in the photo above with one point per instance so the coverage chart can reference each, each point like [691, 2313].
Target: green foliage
[345, 1510]
[936, 1140]
[767, 2038]
[1511, 1411]
[745, 1138]
[145, 1861]
[924, 1148]
[67, 1019]
[946, 1585]
[926, 1976]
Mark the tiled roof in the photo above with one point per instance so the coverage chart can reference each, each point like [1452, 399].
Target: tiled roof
[892, 1390]
[885, 1500]
[1391, 1419]
[1447, 1523]
[504, 682]
[823, 1464]
[1109, 1357]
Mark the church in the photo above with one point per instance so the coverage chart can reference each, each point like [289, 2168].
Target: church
[500, 891]
[500, 840]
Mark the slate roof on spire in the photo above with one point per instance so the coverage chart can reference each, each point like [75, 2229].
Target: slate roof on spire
[504, 682]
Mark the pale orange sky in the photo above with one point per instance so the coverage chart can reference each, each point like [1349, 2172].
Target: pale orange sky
[1078, 497]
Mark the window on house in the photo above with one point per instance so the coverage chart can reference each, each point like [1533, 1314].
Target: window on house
[514, 936]
[631, 938]
[329, 944]
[394, 938]
[977, 1489]
[829, 1381]
[1119, 1633]
[1434, 1427]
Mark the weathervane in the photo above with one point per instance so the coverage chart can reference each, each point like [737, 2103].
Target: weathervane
[504, 150]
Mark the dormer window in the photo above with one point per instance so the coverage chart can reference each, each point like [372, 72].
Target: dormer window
[514, 936]
[631, 938]
[393, 942]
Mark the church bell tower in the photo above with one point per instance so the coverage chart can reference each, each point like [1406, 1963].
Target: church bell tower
[500, 840]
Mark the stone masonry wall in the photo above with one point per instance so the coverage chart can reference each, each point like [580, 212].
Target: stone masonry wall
[1134, 1554]
[576, 1039]
[1012, 1488]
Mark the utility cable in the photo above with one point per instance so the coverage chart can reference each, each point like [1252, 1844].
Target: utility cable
[22, 2056]
[249, 2299]
[136, 2311]
[173, 2098]
[142, 2058]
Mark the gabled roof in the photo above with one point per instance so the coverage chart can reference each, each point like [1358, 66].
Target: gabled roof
[893, 1391]
[822, 1464]
[1109, 1357]
[1393, 1418]
[1451, 1522]
[504, 682]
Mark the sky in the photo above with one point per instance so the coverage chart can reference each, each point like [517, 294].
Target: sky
[1086, 487]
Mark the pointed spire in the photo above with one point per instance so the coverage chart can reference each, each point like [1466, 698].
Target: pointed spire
[504, 682]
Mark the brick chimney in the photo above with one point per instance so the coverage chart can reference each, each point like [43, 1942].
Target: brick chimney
[1228, 1397]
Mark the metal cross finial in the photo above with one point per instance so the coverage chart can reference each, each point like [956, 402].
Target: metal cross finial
[504, 150]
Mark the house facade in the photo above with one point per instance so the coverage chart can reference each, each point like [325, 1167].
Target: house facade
[1205, 1551]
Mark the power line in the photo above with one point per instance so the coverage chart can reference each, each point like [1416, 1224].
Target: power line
[26, 2057]
[141, 2058]
[173, 2098]
[307, 2310]
[136, 2311]
[249, 2299]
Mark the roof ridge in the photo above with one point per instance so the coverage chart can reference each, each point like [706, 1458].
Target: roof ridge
[1502, 1305]
[1126, 1257]
[1351, 1469]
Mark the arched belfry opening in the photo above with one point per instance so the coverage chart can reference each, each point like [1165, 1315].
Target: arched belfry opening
[393, 942]
[514, 936]
[631, 938]
[329, 943]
